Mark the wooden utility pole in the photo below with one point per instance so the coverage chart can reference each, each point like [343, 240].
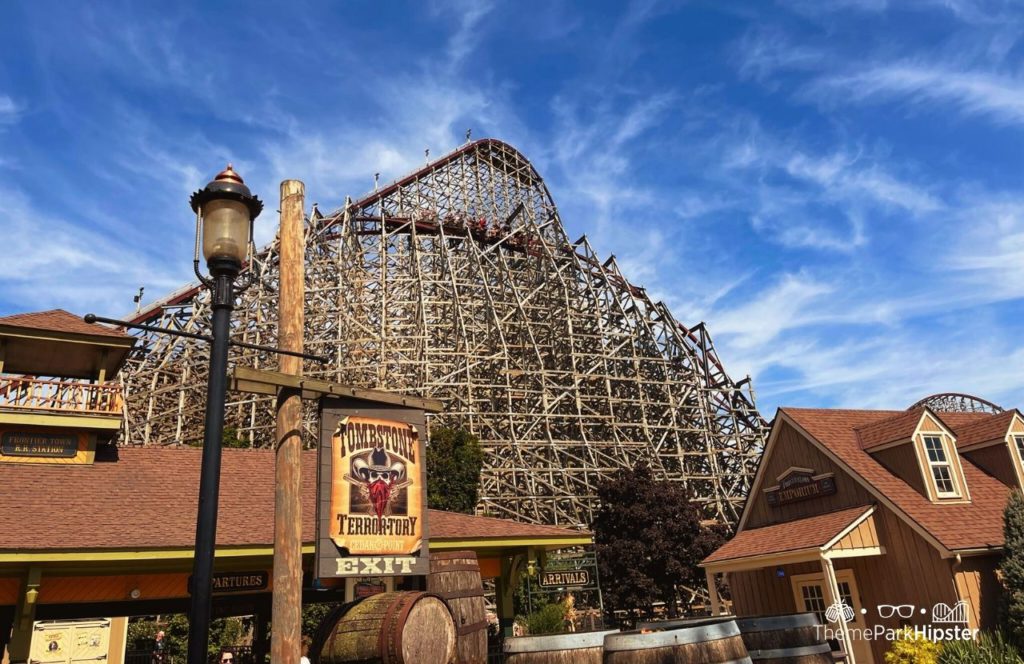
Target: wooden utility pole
[286, 620]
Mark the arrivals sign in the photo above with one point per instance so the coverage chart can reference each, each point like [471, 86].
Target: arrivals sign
[372, 490]
[800, 484]
[565, 578]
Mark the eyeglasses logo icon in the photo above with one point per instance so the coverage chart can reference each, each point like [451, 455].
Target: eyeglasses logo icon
[890, 610]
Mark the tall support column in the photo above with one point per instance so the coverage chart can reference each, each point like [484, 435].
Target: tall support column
[286, 620]
[24, 616]
[716, 601]
[259, 636]
[201, 604]
[832, 596]
[505, 589]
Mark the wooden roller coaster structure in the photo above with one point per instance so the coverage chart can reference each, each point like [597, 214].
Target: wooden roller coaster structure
[458, 282]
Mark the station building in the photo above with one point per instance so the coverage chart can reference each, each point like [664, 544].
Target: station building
[897, 515]
[92, 533]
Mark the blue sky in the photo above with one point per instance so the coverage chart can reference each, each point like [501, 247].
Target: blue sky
[835, 187]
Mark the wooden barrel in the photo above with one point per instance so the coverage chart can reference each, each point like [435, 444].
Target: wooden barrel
[455, 577]
[581, 647]
[714, 643]
[683, 622]
[790, 639]
[392, 628]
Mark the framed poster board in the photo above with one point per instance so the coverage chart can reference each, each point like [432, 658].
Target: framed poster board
[371, 490]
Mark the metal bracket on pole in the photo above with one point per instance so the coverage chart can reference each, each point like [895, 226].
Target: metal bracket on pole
[93, 318]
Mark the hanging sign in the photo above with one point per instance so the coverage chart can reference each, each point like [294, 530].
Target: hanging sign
[565, 578]
[237, 582]
[45, 445]
[800, 484]
[372, 501]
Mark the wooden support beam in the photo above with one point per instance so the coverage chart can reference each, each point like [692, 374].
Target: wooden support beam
[24, 616]
[832, 597]
[716, 600]
[254, 381]
[286, 638]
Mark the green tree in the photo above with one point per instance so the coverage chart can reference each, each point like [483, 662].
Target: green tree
[649, 539]
[1012, 568]
[454, 460]
[313, 615]
[224, 633]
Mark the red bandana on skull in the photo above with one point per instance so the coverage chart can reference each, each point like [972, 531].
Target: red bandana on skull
[379, 476]
[380, 496]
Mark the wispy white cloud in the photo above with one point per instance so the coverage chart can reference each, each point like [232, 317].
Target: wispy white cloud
[764, 51]
[783, 306]
[9, 110]
[72, 266]
[999, 96]
[467, 37]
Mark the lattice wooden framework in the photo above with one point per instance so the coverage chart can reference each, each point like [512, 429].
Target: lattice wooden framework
[955, 402]
[457, 282]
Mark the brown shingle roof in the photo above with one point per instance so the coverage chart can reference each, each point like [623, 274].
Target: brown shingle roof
[984, 429]
[812, 532]
[978, 524]
[890, 429]
[451, 525]
[148, 499]
[58, 320]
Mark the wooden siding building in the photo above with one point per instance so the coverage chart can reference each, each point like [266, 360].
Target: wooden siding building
[90, 530]
[894, 514]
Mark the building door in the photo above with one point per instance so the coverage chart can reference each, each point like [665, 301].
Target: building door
[68, 642]
[809, 592]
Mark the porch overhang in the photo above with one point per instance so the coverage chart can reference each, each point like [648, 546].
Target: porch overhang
[846, 534]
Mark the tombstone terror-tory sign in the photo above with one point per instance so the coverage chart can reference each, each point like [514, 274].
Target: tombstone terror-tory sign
[371, 490]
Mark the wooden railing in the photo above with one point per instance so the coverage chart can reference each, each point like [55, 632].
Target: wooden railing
[57, 395]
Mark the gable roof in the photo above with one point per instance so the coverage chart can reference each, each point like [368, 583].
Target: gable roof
[812, 532]
[147, 499]
[59, 320]
[984, 429]
[955, 526]
[890, 429]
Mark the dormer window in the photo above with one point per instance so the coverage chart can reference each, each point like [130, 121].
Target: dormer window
[1018, 442]
[941, 469]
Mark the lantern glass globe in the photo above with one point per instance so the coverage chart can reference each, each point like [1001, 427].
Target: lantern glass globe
[226, 226]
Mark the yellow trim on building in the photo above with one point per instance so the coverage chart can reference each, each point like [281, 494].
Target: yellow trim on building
[137, 555]
[111, 422]
[553, 542]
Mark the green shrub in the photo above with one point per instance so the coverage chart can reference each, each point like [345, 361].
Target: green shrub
[1011, 570]
[912, 648]
[548, 620]
[988, 649]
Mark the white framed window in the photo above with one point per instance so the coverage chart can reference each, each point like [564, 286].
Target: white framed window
[1018, 442]
[940, 467]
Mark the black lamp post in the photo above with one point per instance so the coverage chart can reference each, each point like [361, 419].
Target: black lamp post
[225, 210]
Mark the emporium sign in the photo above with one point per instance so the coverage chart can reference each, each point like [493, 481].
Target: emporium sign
[372, 489]
[798, 484]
